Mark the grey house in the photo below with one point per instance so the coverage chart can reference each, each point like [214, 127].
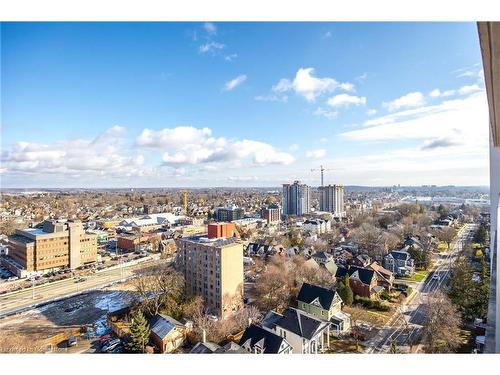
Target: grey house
[399, 263]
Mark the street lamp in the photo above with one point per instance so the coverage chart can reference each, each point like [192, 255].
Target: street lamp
[32, 278]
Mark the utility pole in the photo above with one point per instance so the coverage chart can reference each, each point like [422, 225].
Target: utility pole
[33, 287]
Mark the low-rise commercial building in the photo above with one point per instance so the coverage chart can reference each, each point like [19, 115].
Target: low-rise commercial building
[57, 244]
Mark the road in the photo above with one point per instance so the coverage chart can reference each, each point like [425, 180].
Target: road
[404, 328]
[28, 298]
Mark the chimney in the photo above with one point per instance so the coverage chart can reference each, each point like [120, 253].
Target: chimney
[204, 339]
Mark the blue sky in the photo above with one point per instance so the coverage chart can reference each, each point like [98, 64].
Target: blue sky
[241, 104]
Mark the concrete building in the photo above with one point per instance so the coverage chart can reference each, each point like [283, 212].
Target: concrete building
[271, 213]
[213, 269]
[229, 213]
[489, 38]
[296, 199]
[331, 199]
[57, 244]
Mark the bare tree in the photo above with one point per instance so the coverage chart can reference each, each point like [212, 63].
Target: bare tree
[447, 235]
[155, 285]
[442, 325]
[370, 238]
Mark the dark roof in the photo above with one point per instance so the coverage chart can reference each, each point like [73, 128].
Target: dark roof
[271, 319]
[401, 255]
[300, 323]
[321, 255]
[231, 348]
[205, 348]
[365, 275]
[269, 341]
[309, 293]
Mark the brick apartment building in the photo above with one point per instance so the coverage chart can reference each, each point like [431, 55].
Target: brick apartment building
[213, 269]
[271, 213]
[218, 230]
[57, 244]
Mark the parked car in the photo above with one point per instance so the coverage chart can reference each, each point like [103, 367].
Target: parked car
[72, 341]
[436, 277]
[110, 345]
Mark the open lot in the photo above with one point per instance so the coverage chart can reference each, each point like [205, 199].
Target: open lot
[35, 329]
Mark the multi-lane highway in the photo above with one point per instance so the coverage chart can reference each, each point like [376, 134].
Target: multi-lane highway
[27, 298]
[404, 328]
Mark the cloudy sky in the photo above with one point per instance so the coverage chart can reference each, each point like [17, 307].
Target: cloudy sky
[241, 104]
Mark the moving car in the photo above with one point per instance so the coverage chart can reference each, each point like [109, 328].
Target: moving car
[436, 277]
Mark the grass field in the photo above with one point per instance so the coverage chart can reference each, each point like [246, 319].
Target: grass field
[418, 276]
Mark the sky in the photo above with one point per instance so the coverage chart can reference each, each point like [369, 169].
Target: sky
[241, 104]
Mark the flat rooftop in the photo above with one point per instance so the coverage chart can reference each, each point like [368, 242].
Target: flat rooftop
[35, 231]
[216, 242]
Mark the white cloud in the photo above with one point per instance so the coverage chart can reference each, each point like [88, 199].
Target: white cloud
[294, 147]
[316, 154]
[436, 93]
[271, 98]
[459, 121]
[191, 146]
[345, 100]
[231, 57]
[323, 140]
[371, 112]
[106, 155]
[307, 85]
[211, 47]
[362, 77]
[412, 99]
[172, 137]
[471, 73]
[232, 84]
[210, 28]
[465, 90]
[325, 113]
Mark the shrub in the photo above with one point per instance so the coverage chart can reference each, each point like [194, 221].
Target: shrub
[408, 291]
[371, 304]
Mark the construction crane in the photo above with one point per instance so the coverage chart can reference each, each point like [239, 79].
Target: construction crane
[185, 200]
[321, 169]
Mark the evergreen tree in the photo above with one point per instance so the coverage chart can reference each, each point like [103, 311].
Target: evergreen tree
[442, 211]
[481, 235]
[349, 295]
[139, 333]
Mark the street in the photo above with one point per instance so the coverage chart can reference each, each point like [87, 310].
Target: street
[18, 301]
[404, 328]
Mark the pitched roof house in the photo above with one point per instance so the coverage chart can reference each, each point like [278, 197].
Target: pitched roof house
[321, 257]
[167, 333]
[305, 333]
[259, 340]
[399, 263]
[324, 304]
[385, 278]
[363, 281]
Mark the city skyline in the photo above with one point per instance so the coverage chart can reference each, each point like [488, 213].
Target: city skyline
[229, 104]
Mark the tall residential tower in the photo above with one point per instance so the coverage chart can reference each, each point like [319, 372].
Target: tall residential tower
[331, 199]
[296, 199]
